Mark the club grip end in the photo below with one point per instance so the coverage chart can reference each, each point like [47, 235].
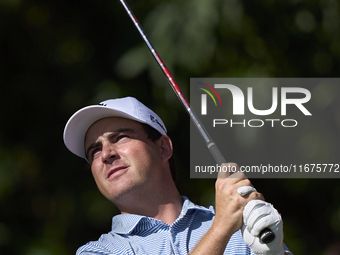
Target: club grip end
[266, 235]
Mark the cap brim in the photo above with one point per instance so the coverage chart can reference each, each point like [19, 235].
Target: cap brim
[77, 126]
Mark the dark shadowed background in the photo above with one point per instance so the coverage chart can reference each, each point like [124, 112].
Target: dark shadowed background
[59, 56]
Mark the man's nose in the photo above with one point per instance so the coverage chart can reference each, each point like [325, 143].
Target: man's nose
[109, 152]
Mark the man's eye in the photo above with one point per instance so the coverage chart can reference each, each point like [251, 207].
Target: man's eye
[121, 137]
[95, 151]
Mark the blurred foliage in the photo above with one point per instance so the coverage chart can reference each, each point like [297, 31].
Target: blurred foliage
[58, 56]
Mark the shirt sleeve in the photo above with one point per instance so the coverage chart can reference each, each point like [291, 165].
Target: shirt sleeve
[92, 249]
[97, 248]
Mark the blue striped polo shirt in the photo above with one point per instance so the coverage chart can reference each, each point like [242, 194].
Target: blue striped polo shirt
[135, 234]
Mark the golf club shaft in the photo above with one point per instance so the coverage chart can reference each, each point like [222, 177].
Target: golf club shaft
[265, 234]
[209, 142]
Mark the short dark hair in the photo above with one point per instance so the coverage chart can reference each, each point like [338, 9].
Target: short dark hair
[154, 135]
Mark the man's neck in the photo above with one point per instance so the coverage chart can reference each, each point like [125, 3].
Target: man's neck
[165, 205]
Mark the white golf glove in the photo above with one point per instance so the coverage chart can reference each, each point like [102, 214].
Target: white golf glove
[258, 215]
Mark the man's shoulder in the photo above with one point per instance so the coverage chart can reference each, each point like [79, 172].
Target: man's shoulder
[130, 232]
[109, 243]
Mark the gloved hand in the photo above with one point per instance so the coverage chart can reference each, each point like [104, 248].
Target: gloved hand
[258, 215]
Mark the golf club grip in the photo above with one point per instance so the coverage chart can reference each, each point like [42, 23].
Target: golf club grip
[215, 152]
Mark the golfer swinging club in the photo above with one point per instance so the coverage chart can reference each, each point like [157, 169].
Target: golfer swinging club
[130, 155]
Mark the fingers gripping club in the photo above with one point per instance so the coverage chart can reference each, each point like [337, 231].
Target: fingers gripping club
[266, 235]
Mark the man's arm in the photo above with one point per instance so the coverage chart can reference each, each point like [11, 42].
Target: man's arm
[229, 210]
[229, 214]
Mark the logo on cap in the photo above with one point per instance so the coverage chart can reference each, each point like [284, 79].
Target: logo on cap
[153, 119]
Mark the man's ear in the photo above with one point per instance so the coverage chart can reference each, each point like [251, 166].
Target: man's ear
[166, 147]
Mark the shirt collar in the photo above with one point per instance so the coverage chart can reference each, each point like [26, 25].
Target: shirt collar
[126, 223]
[188, 205]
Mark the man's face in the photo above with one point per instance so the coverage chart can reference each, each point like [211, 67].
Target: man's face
[123, 160]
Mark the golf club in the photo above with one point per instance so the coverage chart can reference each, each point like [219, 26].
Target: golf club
[266, 235]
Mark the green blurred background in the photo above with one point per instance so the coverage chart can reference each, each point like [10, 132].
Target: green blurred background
[58, 56]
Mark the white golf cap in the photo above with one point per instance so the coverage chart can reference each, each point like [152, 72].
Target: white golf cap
[128, 107]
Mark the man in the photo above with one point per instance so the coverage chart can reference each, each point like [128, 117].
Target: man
[131, 161]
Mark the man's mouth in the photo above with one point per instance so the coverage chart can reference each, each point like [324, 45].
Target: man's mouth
[115, 170]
